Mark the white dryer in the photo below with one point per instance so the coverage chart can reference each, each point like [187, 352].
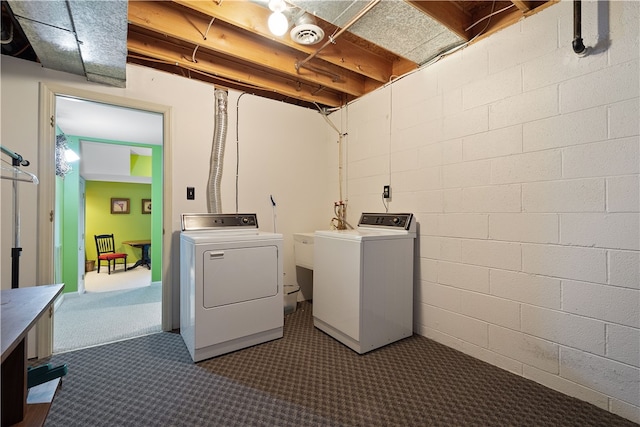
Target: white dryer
[363, 281]
[231, 284]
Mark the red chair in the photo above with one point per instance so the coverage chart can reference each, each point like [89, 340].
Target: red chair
[106, 252]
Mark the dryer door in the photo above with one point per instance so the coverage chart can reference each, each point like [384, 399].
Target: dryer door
[241, 274]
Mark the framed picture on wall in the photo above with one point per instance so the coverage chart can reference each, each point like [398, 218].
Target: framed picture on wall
[146, 206]
[119, 206]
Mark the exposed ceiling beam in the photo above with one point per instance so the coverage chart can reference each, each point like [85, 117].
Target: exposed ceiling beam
[216, 81]
[523, 5]
[171, 52]
[343, 53]
[224, 39]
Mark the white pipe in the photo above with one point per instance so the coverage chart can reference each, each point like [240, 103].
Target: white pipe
[332, 38]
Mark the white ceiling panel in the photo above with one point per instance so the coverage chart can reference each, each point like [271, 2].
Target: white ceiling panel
[89, 119]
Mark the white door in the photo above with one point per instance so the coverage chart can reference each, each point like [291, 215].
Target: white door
[81, 256]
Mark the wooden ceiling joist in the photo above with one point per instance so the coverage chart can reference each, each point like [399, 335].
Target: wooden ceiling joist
[522, 5]
[218, 82]
[221, 38]
[344, 54]
[173, 53]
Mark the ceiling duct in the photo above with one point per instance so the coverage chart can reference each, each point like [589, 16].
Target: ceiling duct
[87, 38]
[396, 26]
[306, 31]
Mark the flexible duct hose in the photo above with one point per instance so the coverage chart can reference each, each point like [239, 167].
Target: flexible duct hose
[217, 152]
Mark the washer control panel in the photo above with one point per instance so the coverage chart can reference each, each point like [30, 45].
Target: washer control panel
[399, 220]
[208, 221]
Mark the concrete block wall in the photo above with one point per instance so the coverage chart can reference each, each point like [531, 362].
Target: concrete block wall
[521, 162]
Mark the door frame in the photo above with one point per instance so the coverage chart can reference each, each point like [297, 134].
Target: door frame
[81, 239]
[46, 195]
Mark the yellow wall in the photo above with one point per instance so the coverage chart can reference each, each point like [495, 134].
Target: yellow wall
[140, 165]
[100, 220]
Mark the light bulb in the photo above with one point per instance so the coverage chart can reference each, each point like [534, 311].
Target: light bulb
[70, 155]
[278, 23]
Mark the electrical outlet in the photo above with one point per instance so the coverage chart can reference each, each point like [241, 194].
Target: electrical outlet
[386, 192]
[191, 193]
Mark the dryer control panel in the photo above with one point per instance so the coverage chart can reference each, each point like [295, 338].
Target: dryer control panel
[209, 221]
[399, 220]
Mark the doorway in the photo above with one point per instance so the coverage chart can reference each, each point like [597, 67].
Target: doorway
[106, 170]
[47, 196]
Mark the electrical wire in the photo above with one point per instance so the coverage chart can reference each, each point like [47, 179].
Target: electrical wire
[208, 28]
[384, 203]
[489, 16]
[15, 54]
[390, 135]
[346, 181]
[195, 70]
[193, 55]
[204, 37]
[10, 39]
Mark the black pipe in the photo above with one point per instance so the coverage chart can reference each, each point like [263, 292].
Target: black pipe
[578, 45]
[15, 267]
[16, 161]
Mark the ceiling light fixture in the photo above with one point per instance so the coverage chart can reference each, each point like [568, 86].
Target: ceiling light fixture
[278, 22]
[70, 155]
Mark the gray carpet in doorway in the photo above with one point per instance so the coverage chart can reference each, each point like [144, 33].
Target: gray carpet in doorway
[85, 320]
[304, 379]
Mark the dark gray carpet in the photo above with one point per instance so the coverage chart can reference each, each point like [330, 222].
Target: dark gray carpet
[304, 379]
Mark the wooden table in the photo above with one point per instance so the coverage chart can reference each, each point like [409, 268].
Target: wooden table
[19, 311]
[145, 245]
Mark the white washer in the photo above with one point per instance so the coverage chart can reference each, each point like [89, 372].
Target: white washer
[363, 281]
[231, 284]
